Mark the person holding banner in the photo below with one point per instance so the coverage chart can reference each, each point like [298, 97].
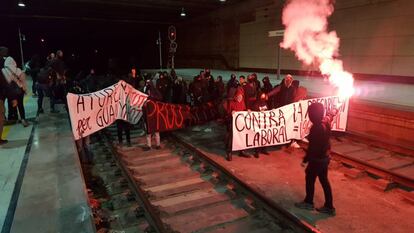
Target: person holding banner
[317, 157]
[153, 94]
[259, 106]
[250, 90]
[284, 94]
[234, 105]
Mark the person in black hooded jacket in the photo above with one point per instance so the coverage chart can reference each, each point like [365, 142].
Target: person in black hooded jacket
[317, 157]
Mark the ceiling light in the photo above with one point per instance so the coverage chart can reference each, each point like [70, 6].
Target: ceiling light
[183, 14]
[222, 0]
[21, 4]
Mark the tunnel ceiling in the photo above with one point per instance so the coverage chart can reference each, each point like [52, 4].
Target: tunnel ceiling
[140, 11]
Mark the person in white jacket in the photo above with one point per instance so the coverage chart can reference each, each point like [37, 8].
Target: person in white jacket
[19, 88]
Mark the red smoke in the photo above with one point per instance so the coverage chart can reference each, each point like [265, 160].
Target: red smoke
[306, 34]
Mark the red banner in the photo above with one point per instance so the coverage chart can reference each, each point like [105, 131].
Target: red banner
[165, 117]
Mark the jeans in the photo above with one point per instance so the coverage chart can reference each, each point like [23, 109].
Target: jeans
[42, 91]
[20, 107]
[123, 126]
[157, 139]
[318, 169]
[84, 151]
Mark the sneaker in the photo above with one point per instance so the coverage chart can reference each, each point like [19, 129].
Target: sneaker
[244, 155]
[295, 145]
[304, 205]
[158, 147]
[326, 210]
[196, 129]
[25, 123]
[264, 152]
[229, 156]
[146, 148]
[3, 141]
[10, 122]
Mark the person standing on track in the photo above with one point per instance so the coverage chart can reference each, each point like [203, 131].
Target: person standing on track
[153, 94]
[233, 105]
[317, 157]
[260, 105]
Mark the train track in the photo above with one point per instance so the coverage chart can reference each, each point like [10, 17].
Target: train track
[115, 209]
[181, 190]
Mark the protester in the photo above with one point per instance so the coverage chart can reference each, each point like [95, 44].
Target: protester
[230, 84]
[33, 68]
[287, 91]
[82, 144]
[232, 88]
[197, 92]
[250, 91]
[163, 86]
[212, 93]
[242, 80]
[179, 91]
[260, 105]
[317, 157]
[235, 104]
[255, 79]
[153, 94]
[284, 94]
[50, 59]
[219, 87]
[58, 87]
[17, 87]
[4, 91]
[123, 126]
[267, 86]
[44, 81]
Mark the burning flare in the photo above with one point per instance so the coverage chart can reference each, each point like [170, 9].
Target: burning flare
[307, 35]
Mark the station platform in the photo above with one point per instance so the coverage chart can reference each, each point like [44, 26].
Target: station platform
[41, 184]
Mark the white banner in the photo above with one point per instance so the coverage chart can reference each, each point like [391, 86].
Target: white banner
[94, 111]
[279, 126]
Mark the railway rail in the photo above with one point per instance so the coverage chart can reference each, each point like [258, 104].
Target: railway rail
[114, 205]
[378, 160]
[181, 190]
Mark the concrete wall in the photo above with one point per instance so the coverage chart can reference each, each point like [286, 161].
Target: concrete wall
[212, 40]
[377, 37]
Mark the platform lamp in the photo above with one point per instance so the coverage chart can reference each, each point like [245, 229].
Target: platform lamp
[21, 3]
[183, 14]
